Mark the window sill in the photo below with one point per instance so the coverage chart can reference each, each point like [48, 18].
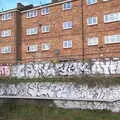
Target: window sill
[67, 9]
[111, 22]
[67, 48]
[31, 51]
[45, 50]
[45, 32]
[92, 45]
[111, 43]
[32, 34]
[90, 25]
[5, 53]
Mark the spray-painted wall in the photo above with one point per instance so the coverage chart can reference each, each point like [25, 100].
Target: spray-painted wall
[40, 69]
[31, 70]
[4, 70]
[72, 95]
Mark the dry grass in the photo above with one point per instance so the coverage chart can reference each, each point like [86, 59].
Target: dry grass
[33, 111]
[89, 80]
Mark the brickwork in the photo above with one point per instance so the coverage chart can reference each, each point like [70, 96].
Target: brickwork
[8, 41]
[101, 29]
[79, 33]
[56, 36]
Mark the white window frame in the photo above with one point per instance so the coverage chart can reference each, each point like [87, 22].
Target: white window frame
[67, 44]
[93, 41]
[93, 20]
[32, 31]
[45, 46]
[32, 48]
[31, 13]
[6, 16]
[112, 17]
[45, 28]
[67, 6]
[91, 2]
[110, 39]
[45, 11]
[6, 33]
[67, 25]
[6, 50]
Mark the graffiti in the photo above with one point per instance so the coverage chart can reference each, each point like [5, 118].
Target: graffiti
[61, 90]
[40, 69]
[80, 96]
[106, 67]
[91, 105]
[31, 70]
[4, 70]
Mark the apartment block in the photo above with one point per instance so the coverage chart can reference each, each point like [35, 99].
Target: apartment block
[8, 37]
[52, 32]
[61, 30]
[101, 28]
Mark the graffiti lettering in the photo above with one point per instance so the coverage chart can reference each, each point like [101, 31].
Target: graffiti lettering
[4, 70]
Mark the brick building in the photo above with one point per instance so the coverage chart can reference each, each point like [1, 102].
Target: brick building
[60, 30]
[102, 30]
[8, 37]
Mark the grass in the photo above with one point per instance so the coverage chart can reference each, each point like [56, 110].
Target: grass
[91, 81]
[33, 111]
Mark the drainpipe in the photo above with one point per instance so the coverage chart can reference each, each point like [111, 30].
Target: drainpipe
[83, 51]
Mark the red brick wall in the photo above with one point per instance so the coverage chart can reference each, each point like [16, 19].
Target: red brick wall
[78, 34]
[8, 41]
[101, 29]
[56, 36]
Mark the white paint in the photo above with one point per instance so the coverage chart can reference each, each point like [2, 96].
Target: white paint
[31, 70]
[87, 98]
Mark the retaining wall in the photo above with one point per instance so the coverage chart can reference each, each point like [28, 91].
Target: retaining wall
[66, 95]
[43, 69]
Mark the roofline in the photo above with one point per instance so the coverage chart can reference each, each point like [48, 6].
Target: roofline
[47, 5]
[36, 7]
[8, 11]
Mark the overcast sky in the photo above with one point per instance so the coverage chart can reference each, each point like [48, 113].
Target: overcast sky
[9, 4]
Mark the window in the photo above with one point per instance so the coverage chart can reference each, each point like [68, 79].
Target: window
[112, 39]
[67, 25]
[67, 44]
[92, 21]
[45, 11]
[45, 46]
[6, 16]
[32, 48]
[67, 5]
[32, 31]
[6, 33]
[92, 41]
[113, 17]
[32, 13]
[45, 28]
[90, 2]
[5, 50]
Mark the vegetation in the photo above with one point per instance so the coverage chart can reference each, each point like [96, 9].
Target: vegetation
[34, 111]
[90, 80]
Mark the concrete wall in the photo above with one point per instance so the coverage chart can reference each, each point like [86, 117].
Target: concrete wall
[43, 69]
[31, 70]
[4, 70]
[67, 95]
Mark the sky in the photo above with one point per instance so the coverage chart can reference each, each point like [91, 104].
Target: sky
[9, 4]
